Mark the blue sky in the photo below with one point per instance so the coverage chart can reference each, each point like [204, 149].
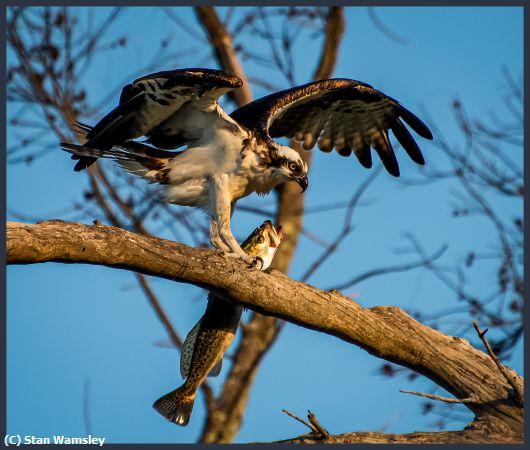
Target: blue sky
[69, 325]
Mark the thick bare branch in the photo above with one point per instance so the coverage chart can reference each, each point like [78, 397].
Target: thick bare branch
[330, 49]
[261, 331]
[226, 412]
[443, 437]
[386, 332]
[224, 50]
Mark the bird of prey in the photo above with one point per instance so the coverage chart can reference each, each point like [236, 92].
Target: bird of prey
[223, 157]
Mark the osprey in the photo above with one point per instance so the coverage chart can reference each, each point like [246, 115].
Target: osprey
[227, 157]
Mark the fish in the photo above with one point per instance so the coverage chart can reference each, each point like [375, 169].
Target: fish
[203, 348]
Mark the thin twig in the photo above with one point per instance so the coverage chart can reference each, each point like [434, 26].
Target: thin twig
[313, 419]
[440, 398]
[294, 416]
[519, 396]
[392, 269]
[385, 29]
[161, 314]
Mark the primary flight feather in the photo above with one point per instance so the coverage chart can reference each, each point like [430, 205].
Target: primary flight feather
[227, 157]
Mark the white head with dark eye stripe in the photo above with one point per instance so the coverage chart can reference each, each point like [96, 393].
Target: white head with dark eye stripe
[289, 165]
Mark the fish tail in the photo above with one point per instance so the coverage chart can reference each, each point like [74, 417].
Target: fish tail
[176, 406]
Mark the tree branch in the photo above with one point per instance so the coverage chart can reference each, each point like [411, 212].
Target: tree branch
[330, 49]
[443, 437]
[439, 397]
[513, 382]
[386, 332]
[261, 332]
[224, 51]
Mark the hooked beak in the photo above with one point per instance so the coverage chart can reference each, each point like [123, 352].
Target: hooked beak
[302, 182]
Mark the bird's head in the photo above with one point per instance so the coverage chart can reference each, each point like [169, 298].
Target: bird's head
[289, 165]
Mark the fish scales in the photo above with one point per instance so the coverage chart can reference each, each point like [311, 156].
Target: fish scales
[203, 349]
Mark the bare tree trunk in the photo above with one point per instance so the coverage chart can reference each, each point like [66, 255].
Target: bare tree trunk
[492, 392]
[260, 333]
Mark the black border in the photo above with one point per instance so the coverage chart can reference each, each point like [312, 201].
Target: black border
[3, 280]
[3, 277]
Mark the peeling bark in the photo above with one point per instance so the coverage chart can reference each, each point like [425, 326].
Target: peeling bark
[385, 332]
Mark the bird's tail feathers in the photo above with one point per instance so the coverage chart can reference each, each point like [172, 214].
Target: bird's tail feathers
[134, 163]
[176, 406]
[116, 152]
[136, 157]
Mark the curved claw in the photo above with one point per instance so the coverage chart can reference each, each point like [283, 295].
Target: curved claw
[258, 263]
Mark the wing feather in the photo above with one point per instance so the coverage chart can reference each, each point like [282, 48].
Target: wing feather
[362, 150]
[347, 115]
[148, 102]
[414, 122]
[341, 143]
[384, 149]
[407, 142]
[324, 142]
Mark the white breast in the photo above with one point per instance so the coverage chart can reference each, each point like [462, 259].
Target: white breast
[217, 152]
[223, 149]
[193, 192]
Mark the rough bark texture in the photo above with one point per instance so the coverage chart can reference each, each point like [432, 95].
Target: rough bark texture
[442, 437]
[386, 332]
[260, 333]
[224, 417]
[224, 420]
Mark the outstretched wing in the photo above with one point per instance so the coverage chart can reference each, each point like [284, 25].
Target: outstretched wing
[341, 114]
[148, 102]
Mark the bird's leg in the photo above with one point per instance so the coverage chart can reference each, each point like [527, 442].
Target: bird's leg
[235, 250]
[255, 263]
[216, 240]
[221, 213]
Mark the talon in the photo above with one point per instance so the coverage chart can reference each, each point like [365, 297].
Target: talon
[257, 263]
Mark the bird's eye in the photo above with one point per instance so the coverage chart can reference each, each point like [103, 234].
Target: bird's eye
[261, 239]
[294, 167]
